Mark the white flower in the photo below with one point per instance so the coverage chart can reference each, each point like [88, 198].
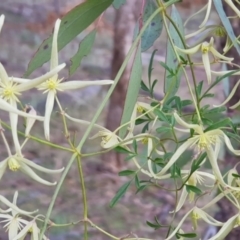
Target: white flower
[9, 93]
[205, 48]
[13, 221]
[18, 162]
[54, 84]
[209, 141]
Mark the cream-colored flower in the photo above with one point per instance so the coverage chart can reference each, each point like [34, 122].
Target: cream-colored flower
[209, 142]
[233, 6]
[13, 222]
[9, 93]
[54, 84]
[205, 48]
[19, 162]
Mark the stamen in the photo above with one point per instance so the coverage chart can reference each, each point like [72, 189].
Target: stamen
[13, 164]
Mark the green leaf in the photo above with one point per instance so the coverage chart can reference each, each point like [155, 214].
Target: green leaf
[154, 29]
[194, 189]
[144, 86]
[226, 23]
[126, 173]
[219, 124]
[163, 129]
[118, 3]
[197, 163]
[171, 84]
[120, 149]
[153, 225]
[73, 23]
[141, 188]
[235, 175]
[84, 49]
[130, 157]
[121, 191]
[161, 115]
[187, 235]
[137, 182]
[132, 92]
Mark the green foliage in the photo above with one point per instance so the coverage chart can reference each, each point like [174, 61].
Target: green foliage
[84, 49]
[72, 24]
[118, 3]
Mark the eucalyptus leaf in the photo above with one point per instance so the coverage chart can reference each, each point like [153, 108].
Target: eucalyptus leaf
[132, 92]
[73, 23]
[83, 50]
[155, 27]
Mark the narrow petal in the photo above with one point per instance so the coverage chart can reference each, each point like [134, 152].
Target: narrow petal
[179, 225]
[3, 74]
[235, 105]
[30, 121]
[40, 168]
[226, 229]
[219, 55]
[15, 196]
[229, 145]
[81, 84]
[37, 81]
[20, 80]
[185, 124]
[11, 205]
[13, 123]
[9, 108]
[190, 50]
[83, 122]
[3, 166]
[214, 201]
[209, 5]
[208, 219]
[48, 111]
[221, 73]
[234, 8]
[206, 64]
[28, 171]
[186, 145]
[230, 95]
[25, 231]
[2, 17]
[182, 199]
[13, 228]
[54, 54]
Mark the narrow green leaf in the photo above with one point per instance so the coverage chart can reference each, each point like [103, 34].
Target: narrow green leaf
[126, 173]
[137, 182]
[163, 129]
[187, 235]
[73, 23]
[154, 29]
[144, 86]
[132, 92]
[172, 83]
[161, 115]
[194, 189]
[150, 67]
[219, 124]
[121, 191]
[153, 225]
[121, 150]
[118, 3]
[226, 23]
[130, 157]
[141, 188]
[84, 49]
[235, 175]
[197, 163]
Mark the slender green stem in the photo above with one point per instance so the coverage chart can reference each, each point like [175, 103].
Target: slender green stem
[97, 114]
[39, 140]
[84, 195]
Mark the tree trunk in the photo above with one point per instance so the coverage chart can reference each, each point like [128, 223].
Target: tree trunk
[125, 21]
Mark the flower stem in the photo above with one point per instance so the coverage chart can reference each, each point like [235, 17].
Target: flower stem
[85, 207]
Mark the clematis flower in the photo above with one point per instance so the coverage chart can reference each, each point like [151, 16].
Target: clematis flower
[54, 84]
[234, 8]
[205, 48]
[32, 228]
[9, 93]
[19, 162]
[13, 221]
[196, 214]
[198, 177]
[209, 141]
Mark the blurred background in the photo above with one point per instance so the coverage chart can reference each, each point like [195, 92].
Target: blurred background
[27, 24]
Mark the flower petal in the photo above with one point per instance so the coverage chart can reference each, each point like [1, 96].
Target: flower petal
[54, 53]
[38, 167]
[177, 154]
[83, 83]
[2, 17]
[30, 121]
[37, 81]
[209, 5]
[230, 95]
[13, 228]
[3, 74]
[208, 219]
[22, 234]
[219, 55]
[221, 73]
[206, 64]
[28, 171]
[9, 108]
[182, 199]
[229, 145]
[190, 50]
[3, 166]
[48, 111]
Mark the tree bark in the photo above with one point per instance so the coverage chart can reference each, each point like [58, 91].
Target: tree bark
[125, 21]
